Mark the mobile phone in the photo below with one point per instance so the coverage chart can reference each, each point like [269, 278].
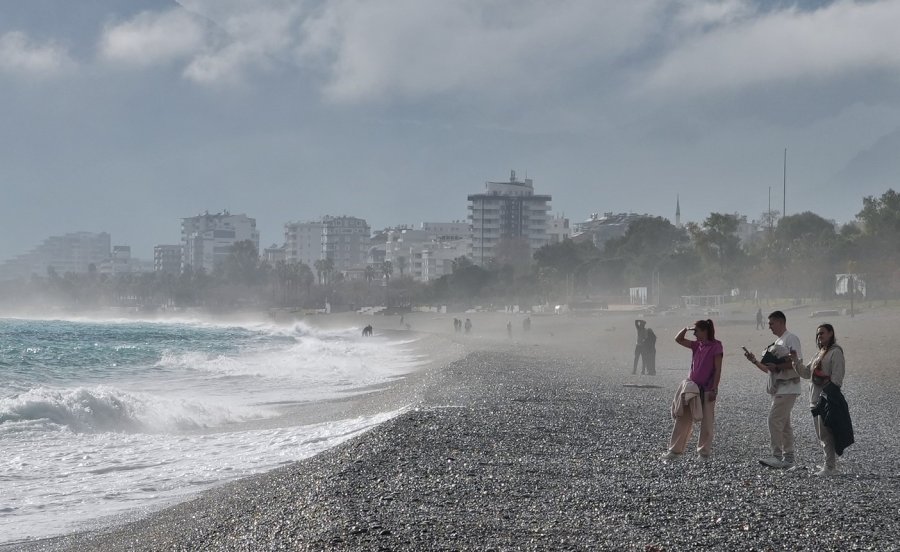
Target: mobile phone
[745, 349]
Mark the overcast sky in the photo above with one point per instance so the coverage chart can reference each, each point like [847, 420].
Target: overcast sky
[126, 116]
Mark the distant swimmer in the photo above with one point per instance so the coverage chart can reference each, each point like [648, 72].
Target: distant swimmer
[367, 331]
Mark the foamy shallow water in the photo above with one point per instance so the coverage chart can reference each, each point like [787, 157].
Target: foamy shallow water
[99, 418]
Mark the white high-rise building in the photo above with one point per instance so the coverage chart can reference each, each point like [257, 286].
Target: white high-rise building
[343, 239]
[207, 239]
[303, 242]
[507, 211]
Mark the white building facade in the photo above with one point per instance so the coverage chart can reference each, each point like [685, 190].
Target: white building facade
[507, 211]
[343, 239]
[167, 258]
[76, 252]
[303, 242]
[207, 239]
[558, 229]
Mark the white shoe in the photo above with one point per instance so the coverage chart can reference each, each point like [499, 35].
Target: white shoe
[825, 472]
[772, 462]
[669, 456]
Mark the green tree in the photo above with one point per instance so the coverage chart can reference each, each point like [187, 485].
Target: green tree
[242, 264]
[719, 249]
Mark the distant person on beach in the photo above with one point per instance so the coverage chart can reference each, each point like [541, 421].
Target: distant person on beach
[526, 324]
[759, 319]
[401, 319]
[649, 355]
[826, 370]
[700, 390]
[367, 331]
[784, 386]
[468, 325]
[641, 327]
[508, 328]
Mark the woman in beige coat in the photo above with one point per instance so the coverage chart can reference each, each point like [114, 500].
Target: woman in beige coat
[827, 366]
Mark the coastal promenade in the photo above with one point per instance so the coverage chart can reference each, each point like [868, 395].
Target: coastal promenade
[546, 442]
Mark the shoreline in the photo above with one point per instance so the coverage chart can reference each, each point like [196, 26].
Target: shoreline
[547, 441]
[360, 405]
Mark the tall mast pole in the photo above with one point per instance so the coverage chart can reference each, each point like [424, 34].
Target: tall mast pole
[784, 183]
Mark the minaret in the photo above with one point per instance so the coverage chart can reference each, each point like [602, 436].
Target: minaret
[677, 211]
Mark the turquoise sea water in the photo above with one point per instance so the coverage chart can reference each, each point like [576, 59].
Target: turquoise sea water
[100, 417]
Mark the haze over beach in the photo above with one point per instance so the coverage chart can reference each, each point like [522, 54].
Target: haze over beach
[315, 275]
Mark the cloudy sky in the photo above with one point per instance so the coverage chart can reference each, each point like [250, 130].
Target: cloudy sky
[126, 116]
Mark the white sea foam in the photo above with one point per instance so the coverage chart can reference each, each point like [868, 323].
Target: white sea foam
[97, 417]
[94, 475]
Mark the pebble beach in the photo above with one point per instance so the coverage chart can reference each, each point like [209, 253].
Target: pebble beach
[546, 441]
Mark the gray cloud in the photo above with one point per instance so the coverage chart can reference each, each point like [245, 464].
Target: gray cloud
[22, 56]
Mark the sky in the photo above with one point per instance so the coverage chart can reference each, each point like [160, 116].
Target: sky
[125, 117]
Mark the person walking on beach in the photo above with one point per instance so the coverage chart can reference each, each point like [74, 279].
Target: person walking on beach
[826, 368]
[509, 328]
[641, 327]
[468, 325]
[706, 370]
[784, 386]
[759, 319]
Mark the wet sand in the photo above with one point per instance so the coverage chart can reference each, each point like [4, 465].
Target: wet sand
[546, 441]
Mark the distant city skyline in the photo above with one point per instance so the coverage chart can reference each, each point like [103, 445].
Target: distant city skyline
[126, 117]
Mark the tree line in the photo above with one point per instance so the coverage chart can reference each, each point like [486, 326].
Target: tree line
[795, 256]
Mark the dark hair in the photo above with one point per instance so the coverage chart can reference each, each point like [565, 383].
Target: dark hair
[830, 329]
[708, 327]
[779, 316]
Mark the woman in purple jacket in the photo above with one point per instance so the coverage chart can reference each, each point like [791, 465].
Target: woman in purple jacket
[706, 369]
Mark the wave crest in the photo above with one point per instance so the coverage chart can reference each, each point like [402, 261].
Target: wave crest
[104, 409]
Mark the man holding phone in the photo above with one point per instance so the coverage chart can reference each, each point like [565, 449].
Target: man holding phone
[784, 386]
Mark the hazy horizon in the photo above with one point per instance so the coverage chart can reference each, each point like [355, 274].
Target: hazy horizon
[125, 119]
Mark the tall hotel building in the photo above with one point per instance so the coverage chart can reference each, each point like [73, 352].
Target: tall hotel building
[344, 240]
[507, 210]
[207, 239]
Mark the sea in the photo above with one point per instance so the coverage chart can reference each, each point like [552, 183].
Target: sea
[102, 419]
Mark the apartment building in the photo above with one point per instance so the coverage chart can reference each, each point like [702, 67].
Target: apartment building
[208, 238]
[507, 211]
[77, 252]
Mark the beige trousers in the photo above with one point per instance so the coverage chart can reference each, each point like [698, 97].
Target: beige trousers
[781, 432]
[827, 441]
[684, 426]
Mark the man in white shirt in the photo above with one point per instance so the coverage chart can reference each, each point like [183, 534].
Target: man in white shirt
[784, 386]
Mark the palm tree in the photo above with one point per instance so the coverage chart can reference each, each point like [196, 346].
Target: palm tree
[369, 273]
[320, 269]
